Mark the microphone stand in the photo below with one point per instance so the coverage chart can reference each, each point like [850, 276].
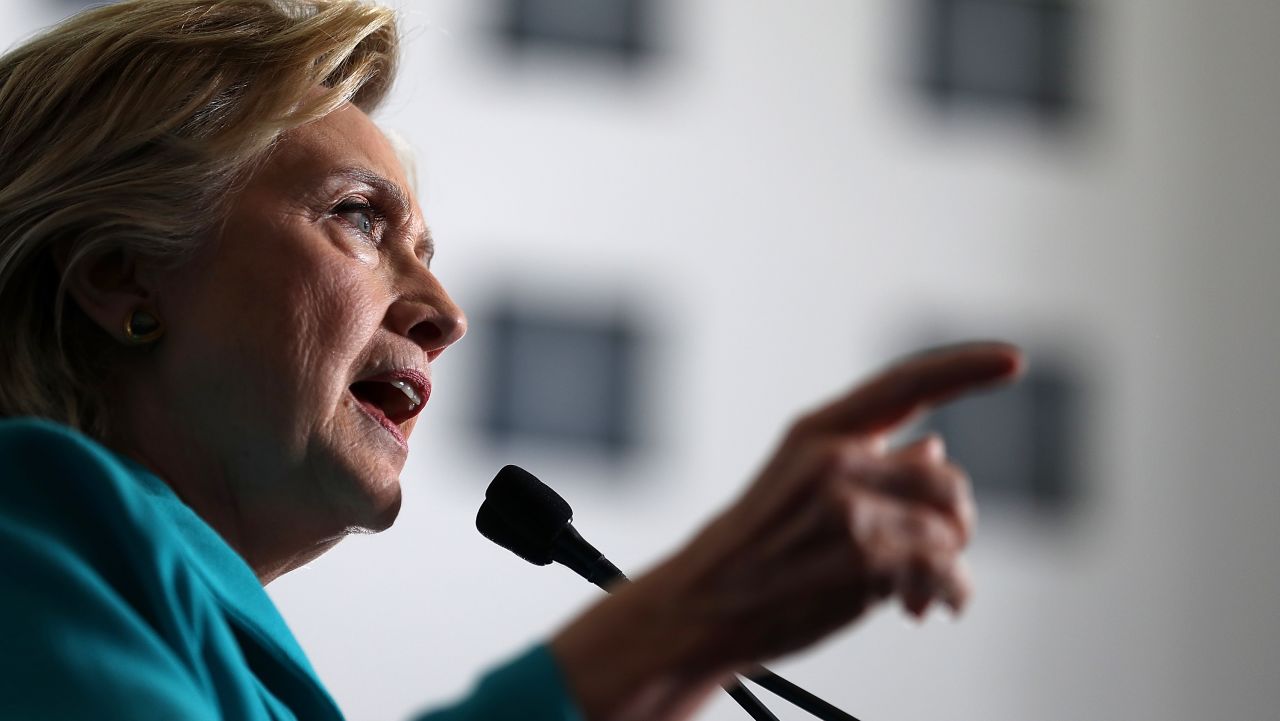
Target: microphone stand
[748, 701]
[797, 696]
[573, 551]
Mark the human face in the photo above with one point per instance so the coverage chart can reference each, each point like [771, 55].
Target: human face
[285, 331]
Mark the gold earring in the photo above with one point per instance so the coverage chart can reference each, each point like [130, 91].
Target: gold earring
[141, 328]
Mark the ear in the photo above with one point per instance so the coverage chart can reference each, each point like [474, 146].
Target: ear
[108, 285]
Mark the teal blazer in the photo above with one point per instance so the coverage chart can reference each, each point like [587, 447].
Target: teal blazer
[118, 603]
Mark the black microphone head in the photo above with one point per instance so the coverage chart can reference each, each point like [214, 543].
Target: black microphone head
[523, 515]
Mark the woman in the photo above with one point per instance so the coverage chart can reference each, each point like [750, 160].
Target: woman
[220, 319]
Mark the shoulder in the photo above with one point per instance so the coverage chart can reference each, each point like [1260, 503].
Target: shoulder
[39, 447]
[27, 437]
[84, 576]
[63, 483]
[117, 602]
[69, 503]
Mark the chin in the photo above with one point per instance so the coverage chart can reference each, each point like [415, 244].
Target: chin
[378, 505]
[384, 517]
[359, 501]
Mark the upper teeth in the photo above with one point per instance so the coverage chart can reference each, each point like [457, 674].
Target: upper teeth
[414, 399]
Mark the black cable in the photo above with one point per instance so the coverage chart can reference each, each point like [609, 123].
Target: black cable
[798, 696]
[749, 702]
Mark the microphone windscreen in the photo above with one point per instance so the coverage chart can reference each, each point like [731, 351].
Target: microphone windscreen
[523, 515]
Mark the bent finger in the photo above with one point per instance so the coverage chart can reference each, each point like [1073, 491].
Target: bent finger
[942, 486]
[889, 533]
[929, 448]
[912, 548]
[941, 577]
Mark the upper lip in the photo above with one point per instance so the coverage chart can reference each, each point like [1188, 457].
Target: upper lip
[419, 381]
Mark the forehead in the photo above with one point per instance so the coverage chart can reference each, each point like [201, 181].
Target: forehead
[346, 138]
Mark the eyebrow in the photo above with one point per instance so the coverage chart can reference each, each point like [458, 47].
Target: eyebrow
[424, 244]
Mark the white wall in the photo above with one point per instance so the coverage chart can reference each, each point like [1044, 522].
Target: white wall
[791, 216]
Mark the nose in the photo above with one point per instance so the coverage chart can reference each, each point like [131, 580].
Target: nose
[427, 316]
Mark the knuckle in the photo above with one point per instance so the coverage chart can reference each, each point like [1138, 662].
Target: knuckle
[862, 523]
[915, 477]
[949, 481]
[932, 564]
[836, 458]
[932, 531]
[847, 502]
[958, 497]
[830, 460]
[943, 484]
[916, 524]
[916, 467]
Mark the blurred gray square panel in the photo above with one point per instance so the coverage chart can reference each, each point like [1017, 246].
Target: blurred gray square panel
[1020, 444]
[613, 27]
[568, 380]
[1010, 53]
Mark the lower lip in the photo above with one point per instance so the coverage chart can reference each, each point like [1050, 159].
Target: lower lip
[381, 419]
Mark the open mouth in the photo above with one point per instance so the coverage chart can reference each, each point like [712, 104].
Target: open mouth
[393, 398]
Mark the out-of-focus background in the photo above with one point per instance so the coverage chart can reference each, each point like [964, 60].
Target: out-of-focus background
[678, 223]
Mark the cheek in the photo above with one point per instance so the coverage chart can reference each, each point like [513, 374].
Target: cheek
[328, 317]
[278, 332]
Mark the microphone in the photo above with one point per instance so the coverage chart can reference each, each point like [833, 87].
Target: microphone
[525, 516]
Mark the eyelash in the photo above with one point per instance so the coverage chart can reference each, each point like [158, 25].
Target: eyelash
[355, 205]
[377, 219]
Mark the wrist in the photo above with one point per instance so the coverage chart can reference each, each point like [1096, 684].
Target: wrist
[638, 655]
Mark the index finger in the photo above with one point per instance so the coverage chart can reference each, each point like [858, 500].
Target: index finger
[917, 383]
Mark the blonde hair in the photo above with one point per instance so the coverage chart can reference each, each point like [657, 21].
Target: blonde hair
[125, 128]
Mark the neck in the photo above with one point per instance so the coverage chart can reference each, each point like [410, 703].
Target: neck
[206, 484]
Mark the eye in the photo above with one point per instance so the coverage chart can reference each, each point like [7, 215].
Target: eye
[360, 214]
